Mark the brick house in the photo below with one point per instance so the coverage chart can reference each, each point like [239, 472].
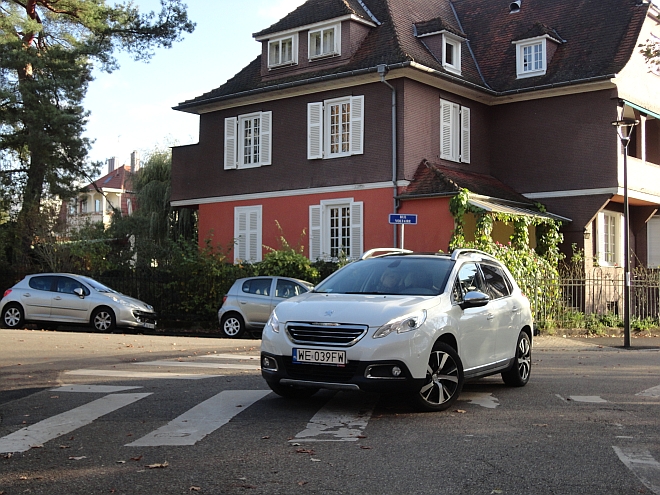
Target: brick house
[356, 109]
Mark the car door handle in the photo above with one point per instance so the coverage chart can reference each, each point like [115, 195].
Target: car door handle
[242, 302]
[27, 294]
[57, 298]
[490, 316]
[515, 309]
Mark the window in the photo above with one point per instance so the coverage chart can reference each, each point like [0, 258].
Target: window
[610, 238]
[83, 206]
[531, 57]
[469, 279]
[497, 284]
[44, 282]
[451, 53]
[72, 207]
[67, 285]
[283, 51]
[247, 233]
[324, 42]
[97, 205]
[454, 132]
[129, 207]
[258, 286]
[287, 289]
[335, 228]
[335, 128]
[248, 140]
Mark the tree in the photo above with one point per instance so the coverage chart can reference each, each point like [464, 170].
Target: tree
[47, 51]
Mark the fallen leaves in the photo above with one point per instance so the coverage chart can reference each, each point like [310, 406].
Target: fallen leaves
[195, 489]
[77, 458]
[136, 458]
[305, 451]
[460, 411]
[161, 465]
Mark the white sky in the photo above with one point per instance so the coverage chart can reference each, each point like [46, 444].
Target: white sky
[131, 108]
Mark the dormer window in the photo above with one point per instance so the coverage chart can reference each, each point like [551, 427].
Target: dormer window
[531, 57]
[283, 51]
[451, 53]
[324, 42]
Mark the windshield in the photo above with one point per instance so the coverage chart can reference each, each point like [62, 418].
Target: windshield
[98, 286]
[391, 275]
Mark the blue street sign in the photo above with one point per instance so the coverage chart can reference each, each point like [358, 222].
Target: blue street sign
[396, 218]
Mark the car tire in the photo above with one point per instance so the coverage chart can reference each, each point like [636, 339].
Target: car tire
[444, 379]
[290, 392]
[518, 374]
[232, 326]
[103, 320]
[12, 316]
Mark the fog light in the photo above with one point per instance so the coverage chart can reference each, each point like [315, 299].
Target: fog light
[396, 371]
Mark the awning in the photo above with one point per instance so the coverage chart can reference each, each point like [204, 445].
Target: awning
[510, 208]
[643, 110]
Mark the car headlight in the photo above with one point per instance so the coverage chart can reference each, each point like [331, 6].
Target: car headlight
[273, 322]
[124, 302]
[402, 324]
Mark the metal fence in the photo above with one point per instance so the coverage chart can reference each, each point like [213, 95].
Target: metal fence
[596, 300]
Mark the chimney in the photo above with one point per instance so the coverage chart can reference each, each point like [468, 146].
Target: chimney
[111, 163]
[135, 161]
[514, 7]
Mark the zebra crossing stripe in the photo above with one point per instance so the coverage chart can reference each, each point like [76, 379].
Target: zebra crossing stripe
[201, 420]
[340, 420]
[643, 465]
[94, 389]
[66, 422]
[137, 374]
[650, 392]
[201, 364]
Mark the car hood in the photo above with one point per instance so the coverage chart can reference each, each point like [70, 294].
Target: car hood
[362, 309]
[129, 301]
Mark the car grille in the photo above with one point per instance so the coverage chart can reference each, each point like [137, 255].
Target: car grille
[320, 372]
[144, 316]
[335, 334]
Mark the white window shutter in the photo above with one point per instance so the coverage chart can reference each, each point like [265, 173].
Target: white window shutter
[653, 237]
[357, 125]
[314, 232]
[357, 242]
[314, 130]
[230, 143]
[600, 241]
[447, 122]
[265, 142]
[465, 135]
[620, 251]
[254, 235]
[240, 235]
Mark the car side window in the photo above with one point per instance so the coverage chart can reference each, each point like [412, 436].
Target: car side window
[286, 289]
[44, 282]
[496, 283]
[67, 285]
[469, 279]
[259, 286]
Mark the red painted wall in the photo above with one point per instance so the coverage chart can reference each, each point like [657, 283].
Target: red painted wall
[216, 220]
[434, 224]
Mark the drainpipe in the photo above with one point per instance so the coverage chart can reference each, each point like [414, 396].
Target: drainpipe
[382, 70]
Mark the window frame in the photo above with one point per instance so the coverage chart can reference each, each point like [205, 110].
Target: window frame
[234, 149]
[248, 240]
[455, 65]
[319, 119]
[606, 255]
[336, 51]
[455, 134]
[320, 241]
[520, 58]
[294, 51]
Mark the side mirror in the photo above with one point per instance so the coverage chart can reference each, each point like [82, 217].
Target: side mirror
[475, 299]
[79, 292]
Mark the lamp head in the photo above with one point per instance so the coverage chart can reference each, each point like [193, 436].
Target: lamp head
[624, 127]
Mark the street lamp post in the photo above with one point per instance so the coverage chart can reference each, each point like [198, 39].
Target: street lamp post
[624, 129]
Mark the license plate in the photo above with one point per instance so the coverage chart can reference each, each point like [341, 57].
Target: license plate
[149, 325]
[318, 356]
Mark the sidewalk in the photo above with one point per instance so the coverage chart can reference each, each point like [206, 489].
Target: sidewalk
[541, 342]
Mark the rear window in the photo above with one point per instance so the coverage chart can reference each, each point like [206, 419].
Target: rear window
[259, 286]
[391, 275]
[41, 282]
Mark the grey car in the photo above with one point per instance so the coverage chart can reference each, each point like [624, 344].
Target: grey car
[65, 298]
[249, 302]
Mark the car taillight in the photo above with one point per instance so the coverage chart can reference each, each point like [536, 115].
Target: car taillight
[7, 292]
[224, 298]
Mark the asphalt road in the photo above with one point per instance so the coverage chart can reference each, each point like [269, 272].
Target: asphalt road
[88, 413]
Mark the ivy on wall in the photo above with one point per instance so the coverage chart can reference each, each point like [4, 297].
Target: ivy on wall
[527, 265]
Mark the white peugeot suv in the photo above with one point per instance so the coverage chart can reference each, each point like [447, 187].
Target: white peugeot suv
[400, 322]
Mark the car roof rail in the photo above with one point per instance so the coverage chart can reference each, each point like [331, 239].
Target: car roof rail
[385, 251]
[462, 252]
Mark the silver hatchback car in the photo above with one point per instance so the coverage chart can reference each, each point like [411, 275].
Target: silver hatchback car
[64, 298]
[250, 301]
